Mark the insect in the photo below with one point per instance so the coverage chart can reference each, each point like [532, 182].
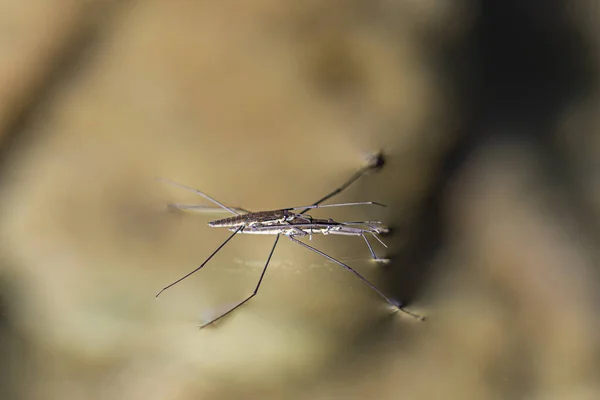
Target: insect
[292, 224]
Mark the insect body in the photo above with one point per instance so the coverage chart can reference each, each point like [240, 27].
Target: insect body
[314, 227]
[292, 225]
[253, 218]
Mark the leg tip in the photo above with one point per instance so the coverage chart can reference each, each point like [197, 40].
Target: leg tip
[400, 307]
[383, 230]
[205, 325]
[382, 261]
[376, 161]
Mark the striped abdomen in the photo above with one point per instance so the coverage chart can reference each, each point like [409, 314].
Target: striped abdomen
[251, 218]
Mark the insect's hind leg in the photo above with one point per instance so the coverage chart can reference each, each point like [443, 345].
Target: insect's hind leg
[375, 162]
[399, 306]
[241, 303]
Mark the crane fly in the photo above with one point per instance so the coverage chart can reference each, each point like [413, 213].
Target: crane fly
[292, 224]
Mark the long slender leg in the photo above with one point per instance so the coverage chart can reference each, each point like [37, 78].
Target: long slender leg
[203, 264]
[375, 163]
[374, 225]
[207, 197]
[253, 293]
[205, 209]
[356, 203]
[371, 249]
[348, 268]
[379, 240]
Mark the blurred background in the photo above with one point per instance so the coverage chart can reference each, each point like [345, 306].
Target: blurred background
[486, 112]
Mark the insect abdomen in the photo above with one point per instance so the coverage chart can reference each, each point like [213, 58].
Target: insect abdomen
[229, 222]
[250, 218]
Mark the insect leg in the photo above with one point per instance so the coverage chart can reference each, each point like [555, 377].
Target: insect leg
[204, 263]
[356, 203]
[348, 268]
[375, 162]
[371, 249]
[253, 293]
[207, 197]
[378, 239]
[204, 209]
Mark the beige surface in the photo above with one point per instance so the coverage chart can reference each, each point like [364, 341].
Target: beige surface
[263, 105]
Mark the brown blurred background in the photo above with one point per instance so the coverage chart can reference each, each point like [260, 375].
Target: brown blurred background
[486, 112]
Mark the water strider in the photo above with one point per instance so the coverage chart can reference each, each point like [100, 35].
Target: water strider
[291, 224]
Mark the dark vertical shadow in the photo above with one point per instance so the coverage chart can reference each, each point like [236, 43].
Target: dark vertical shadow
[521, 65]
[13, 347]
